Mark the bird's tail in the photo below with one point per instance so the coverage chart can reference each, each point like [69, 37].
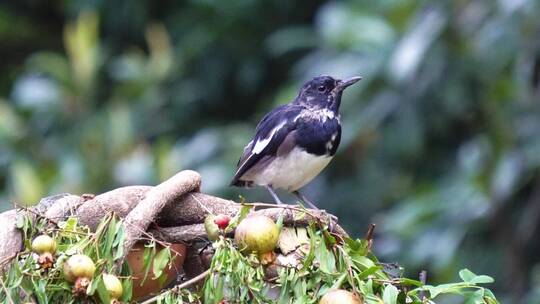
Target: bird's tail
[240, 183]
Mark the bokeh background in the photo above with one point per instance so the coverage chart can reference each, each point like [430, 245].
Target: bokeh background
[441, 145]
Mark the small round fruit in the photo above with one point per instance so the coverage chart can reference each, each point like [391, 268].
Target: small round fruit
[340, 296]
[43, 243]
[212, 230]
[79, 266]
[257, 233]
[222, 221]
[113, 285]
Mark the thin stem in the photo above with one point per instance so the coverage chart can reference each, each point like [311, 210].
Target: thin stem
[349, 268]
[283, 207]
[8, 296]
[201, 204]
[423, 279]
[150, 237]
[178, 287]
[369, 235]
[37, 214]
[118, 264]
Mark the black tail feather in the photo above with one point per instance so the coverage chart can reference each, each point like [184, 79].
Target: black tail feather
[240, 183]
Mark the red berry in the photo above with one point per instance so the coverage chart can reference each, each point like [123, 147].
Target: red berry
[222, 221]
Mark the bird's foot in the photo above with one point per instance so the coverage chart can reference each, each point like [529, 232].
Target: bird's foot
[326, 217]
[304, 200]
[331, 219]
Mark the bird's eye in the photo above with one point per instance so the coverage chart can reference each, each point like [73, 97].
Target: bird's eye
[321, 88]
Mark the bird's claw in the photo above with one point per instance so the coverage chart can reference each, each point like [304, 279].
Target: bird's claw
[329, 219]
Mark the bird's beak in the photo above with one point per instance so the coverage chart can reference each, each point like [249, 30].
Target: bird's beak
[343, 84]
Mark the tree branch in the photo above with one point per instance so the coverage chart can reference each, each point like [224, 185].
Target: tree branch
[154, 201]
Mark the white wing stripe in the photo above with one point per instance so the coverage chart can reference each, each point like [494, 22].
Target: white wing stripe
[261, 144]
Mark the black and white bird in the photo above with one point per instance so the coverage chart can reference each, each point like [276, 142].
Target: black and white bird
[294, 142]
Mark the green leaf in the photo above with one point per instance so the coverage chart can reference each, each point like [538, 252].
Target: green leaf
[149, 254]
[456, 288]
[406, 281]
[470, 277]
[40, 291]
[371, 270]
[331, 240]
[218, 295]
[466, 275]
[160, 261]
[362, 262]
[119, 241]
[326, 259]
[390, 294]
[127, 285]
[339, 281]
[279, 221]
[358, 246]
[244, 211]
[311, 254]
[70, 224]
[108, 238]
[482, 279]
[102, 291]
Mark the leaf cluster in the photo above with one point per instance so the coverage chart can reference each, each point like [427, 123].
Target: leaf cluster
[328, 263]
[26, 281]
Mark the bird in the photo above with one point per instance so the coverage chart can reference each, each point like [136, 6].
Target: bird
[294, 142]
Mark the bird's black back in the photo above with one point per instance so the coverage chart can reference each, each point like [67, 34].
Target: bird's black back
[296, 123]
[309, 123]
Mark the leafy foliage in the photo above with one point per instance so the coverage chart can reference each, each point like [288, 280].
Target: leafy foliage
[234, 277]
[27, 281]
[325, 265]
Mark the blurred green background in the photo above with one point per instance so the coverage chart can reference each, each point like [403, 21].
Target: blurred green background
[441, 145]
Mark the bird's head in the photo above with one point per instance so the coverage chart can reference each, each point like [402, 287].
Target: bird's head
[324, 92]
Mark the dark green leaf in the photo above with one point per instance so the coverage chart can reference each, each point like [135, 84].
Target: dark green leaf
[161, 260]
[148, 257]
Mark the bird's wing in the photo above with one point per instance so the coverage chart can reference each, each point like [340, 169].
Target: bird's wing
[269, 135]
[245, 154]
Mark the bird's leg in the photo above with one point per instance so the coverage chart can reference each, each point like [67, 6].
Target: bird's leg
[274, 195]
[305, 200]
[301, 197]
[286, 212]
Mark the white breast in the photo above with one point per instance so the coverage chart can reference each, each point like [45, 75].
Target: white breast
[290, 172]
